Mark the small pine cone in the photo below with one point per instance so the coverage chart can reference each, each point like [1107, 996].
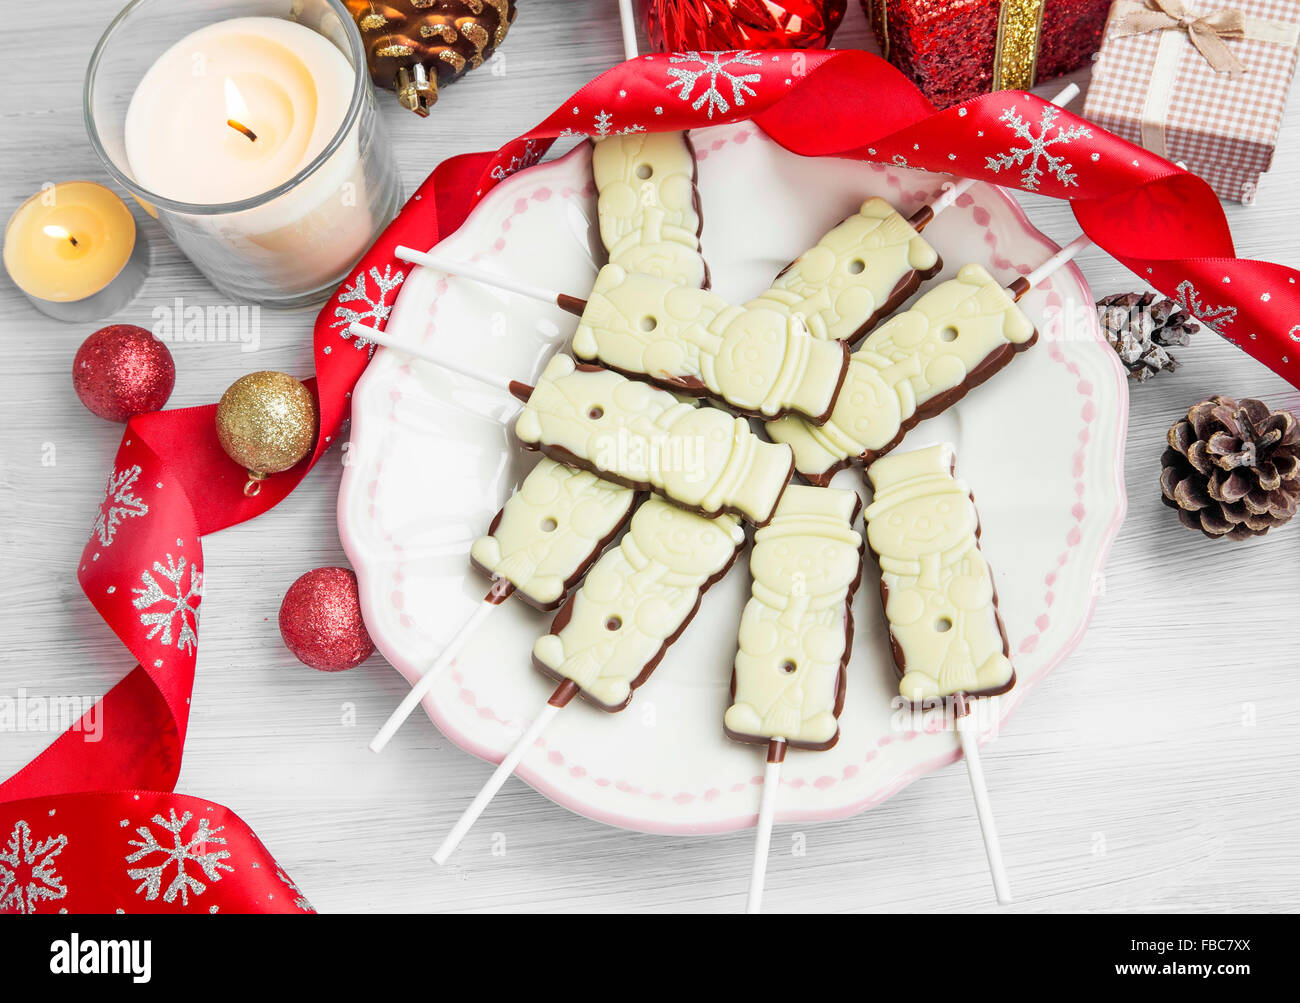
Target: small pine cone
[1232, 468]
[414, 47]
[1140, 328]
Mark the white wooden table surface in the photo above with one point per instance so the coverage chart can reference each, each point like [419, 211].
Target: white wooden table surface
[1158, 768]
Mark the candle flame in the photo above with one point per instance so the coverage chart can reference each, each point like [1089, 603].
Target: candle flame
[235, 106]
[59, 233]
[237, 111]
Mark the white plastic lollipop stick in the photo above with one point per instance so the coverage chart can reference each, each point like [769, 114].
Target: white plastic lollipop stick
[955, 191]
[969, 740]
[763, 833]
[1065, 255]
[444, 659]
[629, 29]
[452, 366]
[465, 270]
[517, 752]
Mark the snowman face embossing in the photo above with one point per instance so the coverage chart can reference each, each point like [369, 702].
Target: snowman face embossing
[868, 409]
[804, 565]
[928, 524]
[680, 541]
[753, 350]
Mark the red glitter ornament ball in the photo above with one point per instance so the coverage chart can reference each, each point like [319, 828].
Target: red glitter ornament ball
[320, 621]
[121, 371]
[707, 25]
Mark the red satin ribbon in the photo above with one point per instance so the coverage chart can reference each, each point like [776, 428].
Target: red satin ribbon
[136, 852]
[1163, 223]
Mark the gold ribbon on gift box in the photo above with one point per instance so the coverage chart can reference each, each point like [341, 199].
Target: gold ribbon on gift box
[1181, 26]
[1015, 54]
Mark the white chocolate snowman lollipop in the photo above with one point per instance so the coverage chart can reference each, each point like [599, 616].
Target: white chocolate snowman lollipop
[648, 205]
[550, 531]
[636, 601]
[860, 272]
[936, 586]
[796, 633]
[702, 458]
[760, 361]
[914, 366]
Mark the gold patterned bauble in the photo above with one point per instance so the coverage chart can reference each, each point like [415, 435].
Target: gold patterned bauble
[266, 422]
[415, 46]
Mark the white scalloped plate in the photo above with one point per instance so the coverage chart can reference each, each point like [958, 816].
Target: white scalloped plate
[430, 462]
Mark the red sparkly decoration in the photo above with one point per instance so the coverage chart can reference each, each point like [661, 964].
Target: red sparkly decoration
[320, 621]
[121, 371]
[949, 50]
[706, 25]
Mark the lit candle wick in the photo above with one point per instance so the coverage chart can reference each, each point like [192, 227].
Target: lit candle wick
[59, 233]
[240, 127]
[236, 110]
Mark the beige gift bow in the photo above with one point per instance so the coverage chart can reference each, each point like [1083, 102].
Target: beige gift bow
[1206, 31]
[1131, 18]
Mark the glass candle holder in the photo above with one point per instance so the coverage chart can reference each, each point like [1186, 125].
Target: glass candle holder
[284, 247]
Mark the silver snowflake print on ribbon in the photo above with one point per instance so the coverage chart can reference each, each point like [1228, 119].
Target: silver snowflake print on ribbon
[531, 154]
[374, 308]
[27, 873]
[1216, 318]
[204, 849]
[300, 900]
[120, 503]
[1035, 155]
[602, 125]
[179, 596]
[689, 68]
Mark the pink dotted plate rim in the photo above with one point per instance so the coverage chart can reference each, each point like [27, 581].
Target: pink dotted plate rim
[537, 777]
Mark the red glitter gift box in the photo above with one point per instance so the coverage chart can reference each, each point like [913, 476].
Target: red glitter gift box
[955, 49]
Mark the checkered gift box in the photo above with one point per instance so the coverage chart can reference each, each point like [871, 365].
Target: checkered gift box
[1158, 89]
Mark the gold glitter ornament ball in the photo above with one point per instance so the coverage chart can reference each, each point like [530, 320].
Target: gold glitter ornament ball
[266, 422]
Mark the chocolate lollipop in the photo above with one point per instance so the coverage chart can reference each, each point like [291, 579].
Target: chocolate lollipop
[939, 597]
[648, 205]
[912, 367]
[538, 546]
[612, 633]
[758, 361]
[860, 272]
[702, 458]
[551, 531]
[795, 639]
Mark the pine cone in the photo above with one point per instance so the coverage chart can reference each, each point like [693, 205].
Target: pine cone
[415, 46]
[1232, 469]
[1141, 327]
